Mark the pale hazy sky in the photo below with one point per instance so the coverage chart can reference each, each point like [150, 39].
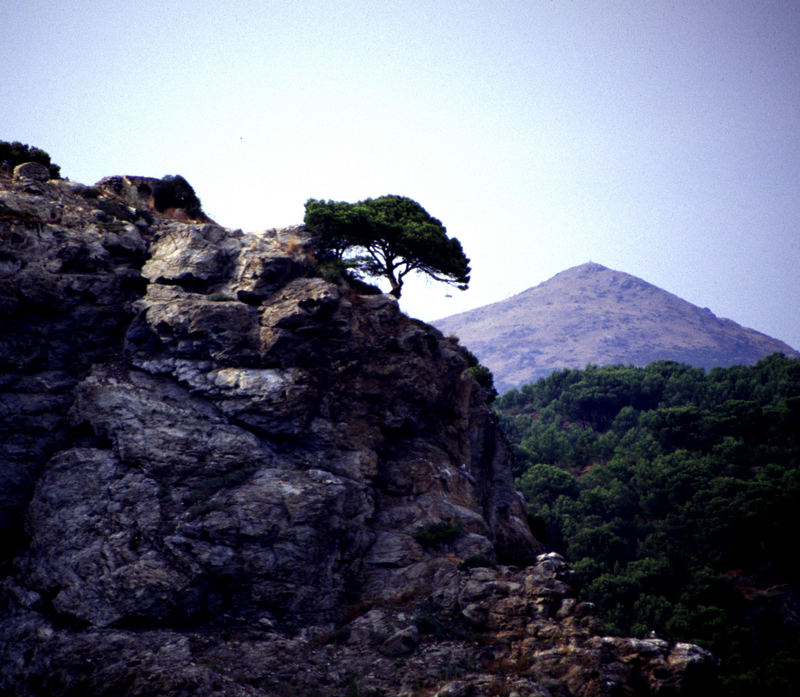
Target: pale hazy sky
[657, 138]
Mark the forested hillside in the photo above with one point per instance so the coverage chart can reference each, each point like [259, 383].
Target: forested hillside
[676, 495]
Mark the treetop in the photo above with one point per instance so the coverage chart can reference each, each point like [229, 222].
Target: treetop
[388, 236]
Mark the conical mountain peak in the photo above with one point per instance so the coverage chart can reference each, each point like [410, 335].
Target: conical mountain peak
[590, 314]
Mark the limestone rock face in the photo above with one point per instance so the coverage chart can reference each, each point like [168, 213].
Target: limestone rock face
[224, 475]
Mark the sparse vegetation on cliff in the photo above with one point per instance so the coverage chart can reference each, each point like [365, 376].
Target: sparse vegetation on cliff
[482, 375]
[438, 533]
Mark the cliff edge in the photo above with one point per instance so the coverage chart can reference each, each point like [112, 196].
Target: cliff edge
[222, 474]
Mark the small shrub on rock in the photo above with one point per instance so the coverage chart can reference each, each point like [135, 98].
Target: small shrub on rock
[438, 533]
[220, 297]
[483, 376]
[173, 191]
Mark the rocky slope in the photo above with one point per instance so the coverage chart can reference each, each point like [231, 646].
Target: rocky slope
[590, 314]
[222, 474]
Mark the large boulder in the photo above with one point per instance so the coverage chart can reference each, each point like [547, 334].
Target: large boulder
[32, 171]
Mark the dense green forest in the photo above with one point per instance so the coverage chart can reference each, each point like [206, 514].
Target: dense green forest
[675, 493]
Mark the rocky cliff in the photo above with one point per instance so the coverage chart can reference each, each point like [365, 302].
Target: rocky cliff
[222, 474]
[590, 314]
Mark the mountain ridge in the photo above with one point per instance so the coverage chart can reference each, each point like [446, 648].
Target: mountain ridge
[591, 314]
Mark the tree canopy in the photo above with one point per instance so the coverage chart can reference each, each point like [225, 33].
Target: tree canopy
[673, 492]
[389, 236]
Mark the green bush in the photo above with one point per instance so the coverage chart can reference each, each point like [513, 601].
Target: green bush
[438, 533]
[483, 376]
[173, 191]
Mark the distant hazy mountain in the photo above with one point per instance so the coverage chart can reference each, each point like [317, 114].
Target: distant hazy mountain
[592, 314]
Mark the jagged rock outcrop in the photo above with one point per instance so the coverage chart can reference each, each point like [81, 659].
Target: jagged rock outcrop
[238, 478]
[171, 196]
